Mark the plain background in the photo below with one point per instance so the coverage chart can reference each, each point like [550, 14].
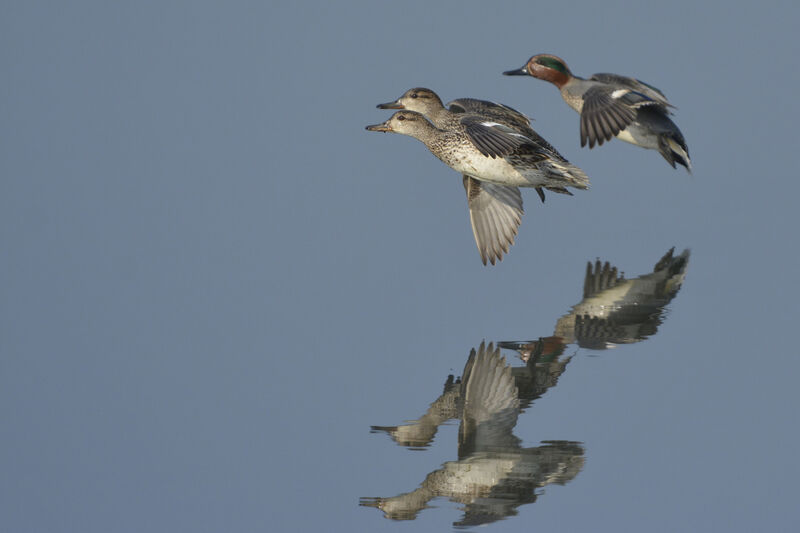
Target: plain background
[214, 280]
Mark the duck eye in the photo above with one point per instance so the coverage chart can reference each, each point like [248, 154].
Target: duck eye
[413, 95]
[401, 117]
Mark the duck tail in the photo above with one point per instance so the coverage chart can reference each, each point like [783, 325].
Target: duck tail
[673, 148]
[567, 172]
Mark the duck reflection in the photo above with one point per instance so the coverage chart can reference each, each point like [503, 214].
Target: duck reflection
[494, 474]
[614, 310]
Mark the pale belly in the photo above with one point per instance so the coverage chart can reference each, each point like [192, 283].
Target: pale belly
[639, 136]
[496, 170]
[626, 136]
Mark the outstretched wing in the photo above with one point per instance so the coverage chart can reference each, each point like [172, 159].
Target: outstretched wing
[608, 111]
[495, 212]
[491, 403]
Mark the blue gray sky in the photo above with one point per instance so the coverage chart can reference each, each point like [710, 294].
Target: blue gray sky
[215, 280]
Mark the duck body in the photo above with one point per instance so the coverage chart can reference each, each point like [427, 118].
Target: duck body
[517, 167]
[514, 119]
[478, 133]
[611, 106]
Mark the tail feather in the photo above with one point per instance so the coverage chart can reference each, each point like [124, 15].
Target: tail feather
[569, 173]
[673, 148]
[559, 190]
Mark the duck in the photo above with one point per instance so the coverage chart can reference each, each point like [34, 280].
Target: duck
[611, 105]
[427, 102]
[494, 160]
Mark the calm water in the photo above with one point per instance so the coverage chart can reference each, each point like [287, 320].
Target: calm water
[227, 307]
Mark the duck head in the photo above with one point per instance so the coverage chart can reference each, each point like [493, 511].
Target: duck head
[545, 67]
[417, 99]
[403, 122]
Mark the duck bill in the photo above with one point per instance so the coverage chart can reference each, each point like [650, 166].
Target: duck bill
[518, 72]
[391, 105]
[379, 127]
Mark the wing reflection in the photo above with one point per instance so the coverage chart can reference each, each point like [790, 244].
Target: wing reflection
[494, 474]
[614, 310]
[543, 368]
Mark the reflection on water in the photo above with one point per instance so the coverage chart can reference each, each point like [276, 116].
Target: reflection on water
[532, 381]
[494, 474]
[615, 310]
